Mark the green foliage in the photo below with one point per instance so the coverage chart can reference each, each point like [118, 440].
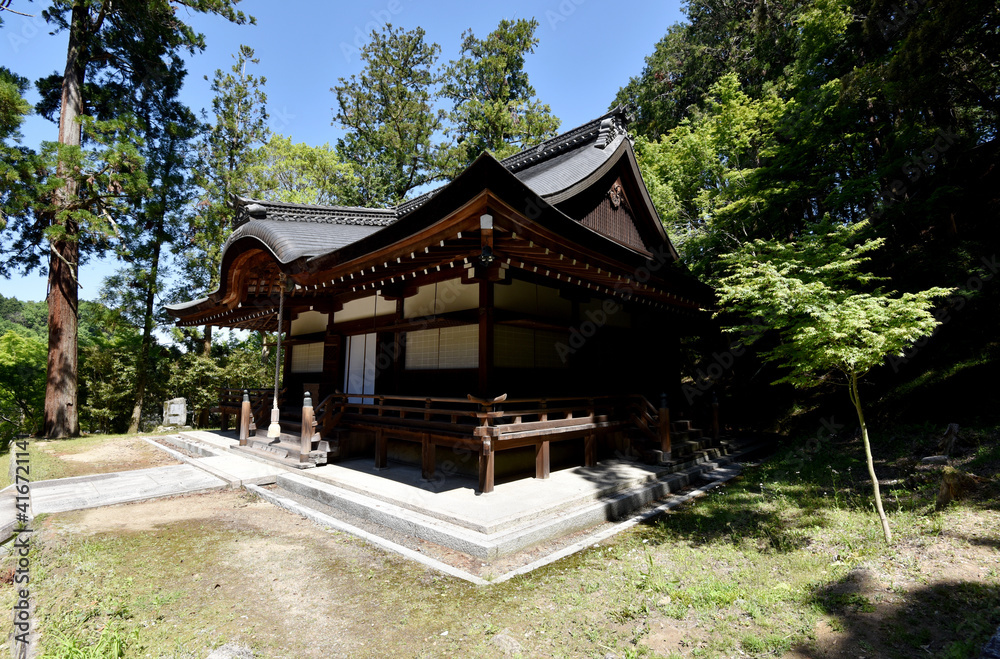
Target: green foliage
[15, 169]
[700, 173]
[22, 383]
[300, 174]
[388, 114]
[495, 108]
[25, 318]
[115, 641]
[829, 317]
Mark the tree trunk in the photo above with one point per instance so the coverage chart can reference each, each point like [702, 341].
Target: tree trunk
[206, 350]
[142, 367]
[855, 398]
[61, 418]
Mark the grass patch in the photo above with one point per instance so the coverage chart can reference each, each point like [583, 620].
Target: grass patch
[59, 458]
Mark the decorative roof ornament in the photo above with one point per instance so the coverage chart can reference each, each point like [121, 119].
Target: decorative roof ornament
[256, 211]
[616, 193]
[612, 126]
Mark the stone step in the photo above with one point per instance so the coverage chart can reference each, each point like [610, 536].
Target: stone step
[289, 446]
[272, 457]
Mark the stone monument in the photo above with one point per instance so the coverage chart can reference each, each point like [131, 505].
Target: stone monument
[175, 412]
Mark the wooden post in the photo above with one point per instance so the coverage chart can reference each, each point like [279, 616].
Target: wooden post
[245, 415]
[426, 457]
[590, 450]
[715, 417]
[486, 466]
[381, 450]
[664, 426]
[307, 428]
[485, 337]
[542, 459]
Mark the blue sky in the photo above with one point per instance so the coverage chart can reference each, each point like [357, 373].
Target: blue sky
[587, 50]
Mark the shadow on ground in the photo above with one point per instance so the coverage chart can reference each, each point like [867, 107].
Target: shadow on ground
[948, 619]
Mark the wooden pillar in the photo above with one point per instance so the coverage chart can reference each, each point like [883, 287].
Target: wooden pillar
[590, 450]
[542, 460]
[381, 450]
[486, 466]
[485, 337]
[664, 426]
[426, 457]
[307, 428]
[245, 415]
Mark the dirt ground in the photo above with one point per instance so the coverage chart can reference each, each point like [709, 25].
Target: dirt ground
[110, 455]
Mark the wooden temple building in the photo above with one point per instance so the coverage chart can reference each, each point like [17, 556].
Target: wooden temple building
[527, 313]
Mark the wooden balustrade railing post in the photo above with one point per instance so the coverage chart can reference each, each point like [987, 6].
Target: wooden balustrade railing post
[308, 423]
[245, 416]
[664, 426]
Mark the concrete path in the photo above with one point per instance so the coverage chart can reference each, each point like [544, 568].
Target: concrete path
[214, 468]
[63, 494]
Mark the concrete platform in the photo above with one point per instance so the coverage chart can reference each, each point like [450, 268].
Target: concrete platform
[516, 515]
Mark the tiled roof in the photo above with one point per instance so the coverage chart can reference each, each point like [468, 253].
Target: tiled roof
[292, 239]
[295, 230]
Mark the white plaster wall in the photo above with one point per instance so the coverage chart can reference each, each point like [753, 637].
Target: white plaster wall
[309, 322]
[366, 307]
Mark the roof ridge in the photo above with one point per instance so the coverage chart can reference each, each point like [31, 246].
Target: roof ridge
[562, 142]
[281, 211]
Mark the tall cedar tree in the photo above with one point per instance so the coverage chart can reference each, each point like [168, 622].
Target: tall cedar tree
[389, 117]
[75, 204]
[495, 108]
[228, 154]
[169, 128]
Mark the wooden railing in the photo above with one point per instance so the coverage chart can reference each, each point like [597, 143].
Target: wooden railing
[482, 426]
